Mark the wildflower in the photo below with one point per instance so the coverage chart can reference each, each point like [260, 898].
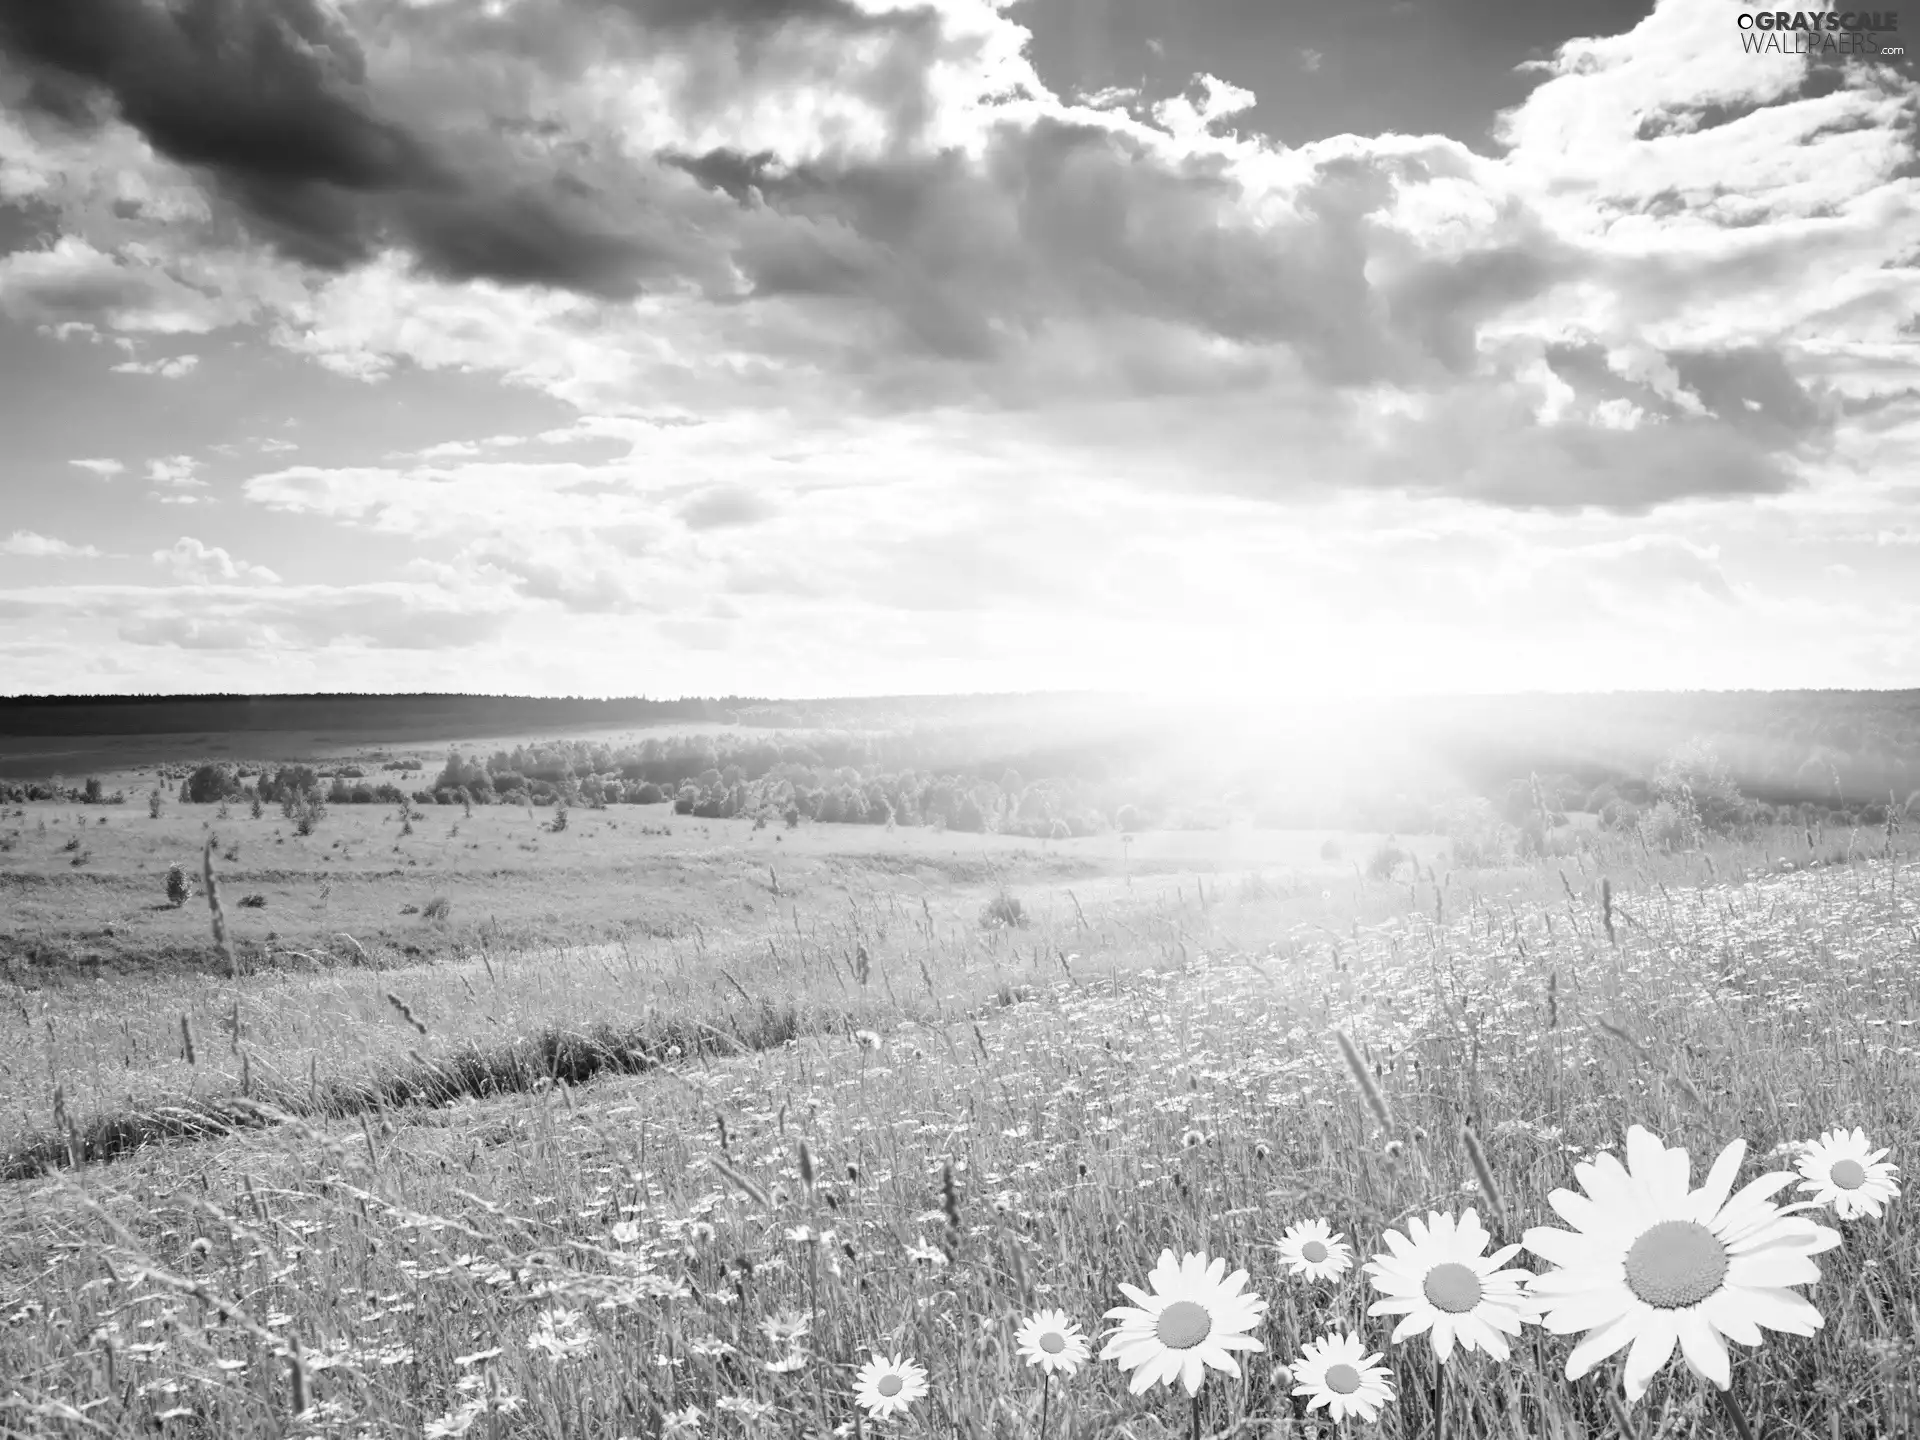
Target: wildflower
[626, 1232]
[1313, 1250]
[887, 1387]
[1053, 1342]
[786, 1328]
[786, 1364]
[1192, 1140]
[559, 1335]
[1440, 1282]
[1841, 1173]
[1652, 1263]
[680, 1424]
[1331, 1371]
[1191, 1321]
[745, 1406]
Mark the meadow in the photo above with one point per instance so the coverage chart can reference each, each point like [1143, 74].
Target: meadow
[894, 1097]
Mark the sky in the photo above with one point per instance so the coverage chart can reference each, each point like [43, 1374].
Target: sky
[837, 347]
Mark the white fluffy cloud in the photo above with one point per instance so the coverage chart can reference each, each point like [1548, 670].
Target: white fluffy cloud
[29, 545]
[196, 563]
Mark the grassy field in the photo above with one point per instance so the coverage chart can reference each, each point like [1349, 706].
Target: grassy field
[713, 1156]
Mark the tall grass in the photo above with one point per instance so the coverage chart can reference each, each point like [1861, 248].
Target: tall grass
[1037, 1113]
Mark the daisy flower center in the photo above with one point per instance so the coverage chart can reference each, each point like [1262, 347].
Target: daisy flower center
[1183, 1325]
[1452, 1287]
[889, 1385]
[1313, 1252]
[1343, 1378]
[1848, 1174]
[1052, 1343]
[1675, 1264]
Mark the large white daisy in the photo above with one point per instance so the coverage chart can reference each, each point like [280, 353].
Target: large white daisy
[1842, 1173]
[1440, 1281]
[1651, 1263]
[1331, 1371]
[886, 1387]
[1192, 1320]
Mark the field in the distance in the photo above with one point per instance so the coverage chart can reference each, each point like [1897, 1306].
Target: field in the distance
[627, 870]
[661, 1134]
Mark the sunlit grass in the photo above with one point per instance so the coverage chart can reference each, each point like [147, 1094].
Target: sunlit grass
[649, 1255]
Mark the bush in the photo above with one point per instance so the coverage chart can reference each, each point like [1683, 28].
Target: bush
[1382, 863]
[154, 802]
[437, 909]
[179, 887]
[253, 902]
[1002, 912]
[1330, 849]
[210, 783]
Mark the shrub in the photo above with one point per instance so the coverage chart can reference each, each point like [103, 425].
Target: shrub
[559, 818]
[437, 909]
[154, 802]
[179, 887]
[1382, 863]
[1002, 912]
[209, 783]
[253, 902]
[1330, 849]
[306, 814]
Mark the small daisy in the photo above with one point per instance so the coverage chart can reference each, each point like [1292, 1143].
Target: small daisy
[1652, 1263]
[680, 1424]
[1331, 1371]
[1313, 1250]
[1053, 1342]
[1840, 1172]
[887, 1387]
[1441, 1282]
[1191, 1321]
[786, 1328]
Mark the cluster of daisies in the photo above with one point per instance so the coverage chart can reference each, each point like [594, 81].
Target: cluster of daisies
[1649, 1262]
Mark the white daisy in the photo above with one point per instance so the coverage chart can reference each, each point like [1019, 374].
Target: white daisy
[1441, 1282]
[1053, 1342]
[1313, 1250]
[1331, 1371]
[1840, 1172]
[1191, 1321]
[1653, 1263]
[886, 1387]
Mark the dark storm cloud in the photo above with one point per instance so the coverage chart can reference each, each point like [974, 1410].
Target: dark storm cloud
[270, 98]
[1749, 389]
[1065, 220]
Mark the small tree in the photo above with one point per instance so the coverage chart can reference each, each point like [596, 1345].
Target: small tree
[256, 809]
[154, 803]
[559, 817]
[92, 791]
[179, 887]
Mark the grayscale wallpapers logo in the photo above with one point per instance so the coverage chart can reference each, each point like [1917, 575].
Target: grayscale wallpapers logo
[1820, 32]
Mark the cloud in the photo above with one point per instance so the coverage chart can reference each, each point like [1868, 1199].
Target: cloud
[721, 506]
[1667, 288]
[105, 469]
[175, 472]
[201, 564]
[173, 368]
[27, 544]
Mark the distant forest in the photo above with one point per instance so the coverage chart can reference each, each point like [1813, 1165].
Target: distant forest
[1503, 770]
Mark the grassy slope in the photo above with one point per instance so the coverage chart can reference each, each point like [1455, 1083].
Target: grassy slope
[509, 878]
[1766, 1006]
